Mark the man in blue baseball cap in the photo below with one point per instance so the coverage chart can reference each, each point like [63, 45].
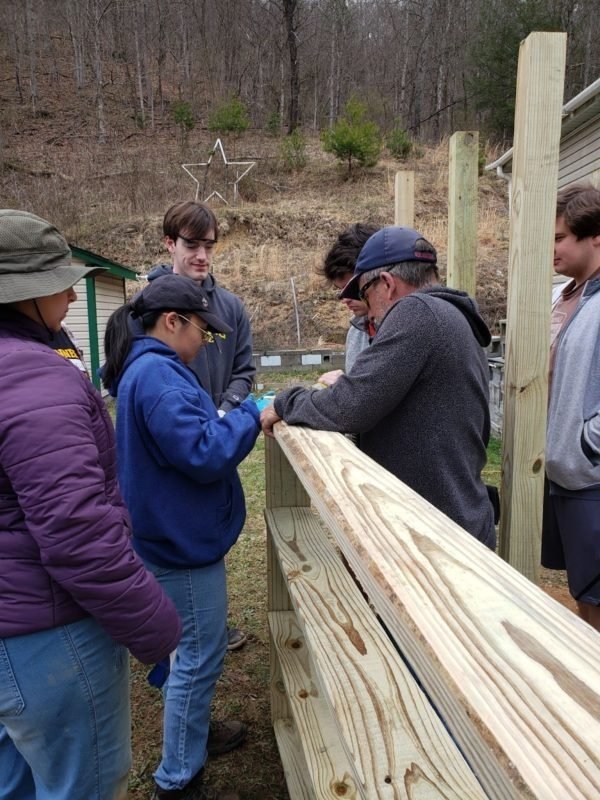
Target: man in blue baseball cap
[418, 396]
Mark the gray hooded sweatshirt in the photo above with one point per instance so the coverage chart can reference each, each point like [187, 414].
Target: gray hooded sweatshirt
[573, 435]
[418, 398]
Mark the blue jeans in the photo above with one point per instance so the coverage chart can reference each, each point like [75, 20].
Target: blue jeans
[64, 715]
[200, 595]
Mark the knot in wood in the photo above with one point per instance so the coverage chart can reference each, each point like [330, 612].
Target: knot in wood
[340, 789]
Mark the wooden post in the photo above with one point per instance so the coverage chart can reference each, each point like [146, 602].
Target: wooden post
[282, 488]
[405, 199]
[539, 98]
[462, 211]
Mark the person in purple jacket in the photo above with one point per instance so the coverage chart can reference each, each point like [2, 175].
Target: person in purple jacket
[74, 596]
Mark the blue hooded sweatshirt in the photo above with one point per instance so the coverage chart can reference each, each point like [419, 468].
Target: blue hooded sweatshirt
[177, 459]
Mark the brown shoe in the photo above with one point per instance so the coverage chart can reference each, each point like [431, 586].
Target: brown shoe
[196, 789]
[224, 736]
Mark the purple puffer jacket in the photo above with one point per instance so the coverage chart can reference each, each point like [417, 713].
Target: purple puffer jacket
[65, 550]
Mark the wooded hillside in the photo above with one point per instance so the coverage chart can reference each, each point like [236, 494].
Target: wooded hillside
[432, 66]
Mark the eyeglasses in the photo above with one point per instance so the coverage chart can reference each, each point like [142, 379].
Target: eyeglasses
[209, 336]
[194, 244]
[362, 292]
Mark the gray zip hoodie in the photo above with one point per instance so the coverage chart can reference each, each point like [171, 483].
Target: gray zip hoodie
[573, 435]
[418, 398]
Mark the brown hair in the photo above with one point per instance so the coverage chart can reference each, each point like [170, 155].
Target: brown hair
[579, 206]
[341, 258]
[194, 219]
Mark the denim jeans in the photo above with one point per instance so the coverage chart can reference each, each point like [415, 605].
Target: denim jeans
[64, 715]
[200, 595]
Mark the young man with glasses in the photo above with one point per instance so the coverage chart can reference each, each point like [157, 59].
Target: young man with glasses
[418, 396]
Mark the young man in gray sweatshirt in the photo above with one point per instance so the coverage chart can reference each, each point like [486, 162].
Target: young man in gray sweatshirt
[571, 529]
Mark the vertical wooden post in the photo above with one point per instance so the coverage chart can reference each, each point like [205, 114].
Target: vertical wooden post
[282, 488]
[462, 211]
[539, 98]
[405, 199]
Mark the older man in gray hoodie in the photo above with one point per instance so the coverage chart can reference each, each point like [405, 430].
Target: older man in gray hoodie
[418, 397]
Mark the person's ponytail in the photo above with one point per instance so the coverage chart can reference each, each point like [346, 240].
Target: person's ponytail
[118, 337]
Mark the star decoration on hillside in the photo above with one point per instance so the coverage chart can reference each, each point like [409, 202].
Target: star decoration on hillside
[204, 168]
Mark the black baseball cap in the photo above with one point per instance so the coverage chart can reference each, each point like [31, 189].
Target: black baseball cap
[177, 293]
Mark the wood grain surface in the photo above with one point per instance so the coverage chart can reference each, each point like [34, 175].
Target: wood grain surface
[348, 685]
[514, 674]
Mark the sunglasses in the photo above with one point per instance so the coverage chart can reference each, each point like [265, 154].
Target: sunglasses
[194, 244]
[362, 292]
[209, 336]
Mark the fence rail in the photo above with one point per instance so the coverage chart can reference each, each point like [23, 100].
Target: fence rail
[513, 674]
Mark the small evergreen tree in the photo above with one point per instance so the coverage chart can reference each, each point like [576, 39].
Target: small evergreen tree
[274, 124]
[493, 53]
[230, 117]
[293, 151]
[398, 142]
[181, 111]
[354, 137]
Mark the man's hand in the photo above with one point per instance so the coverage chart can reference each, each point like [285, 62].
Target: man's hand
[268, 418]
[329, 378]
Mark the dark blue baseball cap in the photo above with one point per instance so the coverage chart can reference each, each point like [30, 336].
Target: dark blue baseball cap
[388, 246]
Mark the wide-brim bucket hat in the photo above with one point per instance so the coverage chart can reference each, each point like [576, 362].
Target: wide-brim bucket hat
[35, 259]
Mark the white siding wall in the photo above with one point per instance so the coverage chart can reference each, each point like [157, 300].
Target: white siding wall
[77, 319]
[580, 154]
[110, 294]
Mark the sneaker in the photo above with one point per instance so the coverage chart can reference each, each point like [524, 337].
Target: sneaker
[236, 638]
[224, 736]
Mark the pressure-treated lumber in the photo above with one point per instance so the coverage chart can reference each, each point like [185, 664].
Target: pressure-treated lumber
[533, 212]
[282, 488]
[462, 211]
[292, 759]
[405, 199]
[326, 769]
[513, 673]
[368, 729]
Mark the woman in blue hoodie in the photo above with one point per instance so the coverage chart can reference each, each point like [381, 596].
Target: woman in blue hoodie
[177, 463]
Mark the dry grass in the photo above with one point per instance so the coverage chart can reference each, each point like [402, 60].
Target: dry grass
[110, 199]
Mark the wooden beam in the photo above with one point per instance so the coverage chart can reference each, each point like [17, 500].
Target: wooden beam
[513, 673]
[325, 762]
[540, 82]
[405, 199]
[365, 723]
[462, 211]
[292, 759]
[282, 488]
